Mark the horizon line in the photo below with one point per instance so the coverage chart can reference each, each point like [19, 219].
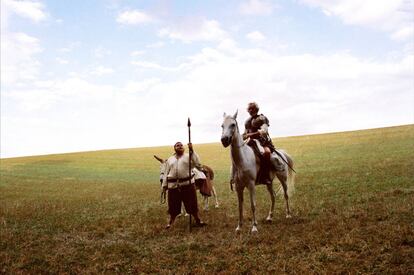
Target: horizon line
[204, 143]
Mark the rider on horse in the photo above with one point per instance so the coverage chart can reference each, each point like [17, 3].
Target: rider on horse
[256, 128]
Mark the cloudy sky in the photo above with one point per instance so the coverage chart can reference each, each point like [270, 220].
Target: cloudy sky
[87, 75]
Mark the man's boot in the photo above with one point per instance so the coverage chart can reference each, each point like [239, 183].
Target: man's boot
[265, 167]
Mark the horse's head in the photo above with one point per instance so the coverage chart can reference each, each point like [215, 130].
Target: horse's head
[229, 128]
[162, 167]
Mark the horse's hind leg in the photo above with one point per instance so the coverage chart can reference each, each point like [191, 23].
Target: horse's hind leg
[272, 197]
[215, 197]
[283, 181]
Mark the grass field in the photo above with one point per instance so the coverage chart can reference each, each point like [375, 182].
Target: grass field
[99, 212]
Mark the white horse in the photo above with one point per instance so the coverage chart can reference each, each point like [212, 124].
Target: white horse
[245, 167]
[209, 176]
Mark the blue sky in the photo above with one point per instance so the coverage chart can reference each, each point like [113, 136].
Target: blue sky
[90, 75]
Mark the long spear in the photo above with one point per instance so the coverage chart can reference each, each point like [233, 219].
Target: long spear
[189, 162]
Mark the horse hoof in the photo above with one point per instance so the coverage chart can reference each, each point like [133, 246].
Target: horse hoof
[216, 206]
[238, 229]
[254, 230]
[288, 216]
[269, 219]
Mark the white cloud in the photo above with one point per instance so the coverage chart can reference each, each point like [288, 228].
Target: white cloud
[62, 61]
[300, 94]
[141, 86]
[146, 64]
[395, 17]
[18, 49]
[155, 66]
[255, 36]
[101, 71]
[101, 52]
[227, 44]
[257, 7]
[307, 93]
[195, 30]
[18, 62]
[137, 53]
[134, 17]
[33, 10]
[34, 99]
[70, 47]
[156, 45]
[403, 33]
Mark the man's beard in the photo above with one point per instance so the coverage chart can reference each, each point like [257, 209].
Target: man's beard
[179, 153]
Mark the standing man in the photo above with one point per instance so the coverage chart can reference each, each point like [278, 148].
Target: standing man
[256, 128]
[180, 184]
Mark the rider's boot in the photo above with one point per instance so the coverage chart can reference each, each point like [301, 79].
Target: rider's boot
[265, 167]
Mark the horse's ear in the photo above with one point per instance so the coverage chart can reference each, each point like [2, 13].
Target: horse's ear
[224, 114]
[159, 159]
[235, 115]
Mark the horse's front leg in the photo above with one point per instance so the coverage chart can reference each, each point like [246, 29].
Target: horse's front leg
[215, 197]
[240, 199]
[183, 212]
[252, 192]
[233, 177]
[205, 199]
[272, 197]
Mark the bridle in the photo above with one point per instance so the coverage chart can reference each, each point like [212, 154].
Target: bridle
[233, 133]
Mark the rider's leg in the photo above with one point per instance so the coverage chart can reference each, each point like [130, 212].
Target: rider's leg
[265, 165]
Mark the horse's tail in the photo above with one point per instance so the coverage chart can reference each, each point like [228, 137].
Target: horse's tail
[291, 175]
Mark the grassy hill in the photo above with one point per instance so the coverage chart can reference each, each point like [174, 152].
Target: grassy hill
[99, 212]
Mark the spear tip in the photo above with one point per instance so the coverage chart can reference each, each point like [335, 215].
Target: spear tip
[189, 123]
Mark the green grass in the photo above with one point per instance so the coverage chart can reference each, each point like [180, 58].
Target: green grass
[99, 212]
